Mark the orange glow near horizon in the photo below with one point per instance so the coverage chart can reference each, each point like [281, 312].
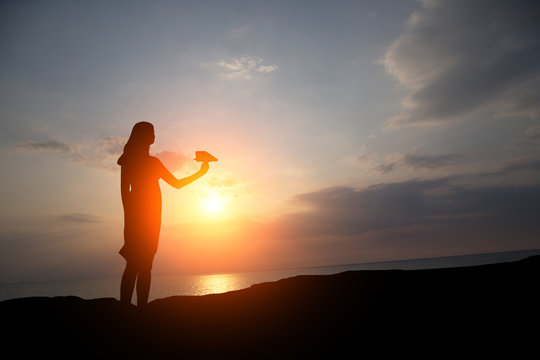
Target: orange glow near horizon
[212, 244]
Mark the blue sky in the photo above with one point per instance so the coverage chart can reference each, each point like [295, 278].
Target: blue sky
[420, 117]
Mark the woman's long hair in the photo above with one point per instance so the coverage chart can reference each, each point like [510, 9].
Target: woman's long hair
[138, 144]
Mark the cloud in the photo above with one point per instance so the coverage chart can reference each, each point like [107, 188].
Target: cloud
[172, 160]
[244, 67]
[432, 162]
[529, 139]
[267, 68]
[346, 210]
[100, 153]
[412, 161]
[385, 168]
[458, 57]
[79, 218]
[533, 134]
[112, 145]
[411, 219]
[516, 166]
[45, 145]
[226, 181]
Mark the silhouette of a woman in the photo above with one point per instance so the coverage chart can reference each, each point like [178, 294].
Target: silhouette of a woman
[141, 198]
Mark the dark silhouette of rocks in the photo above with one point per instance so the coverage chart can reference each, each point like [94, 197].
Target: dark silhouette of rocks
[462, 311]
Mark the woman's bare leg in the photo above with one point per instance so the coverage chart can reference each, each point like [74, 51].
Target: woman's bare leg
[128, 283]
[143, 287]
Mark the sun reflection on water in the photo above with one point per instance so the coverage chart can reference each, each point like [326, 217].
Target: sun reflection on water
[216, 284]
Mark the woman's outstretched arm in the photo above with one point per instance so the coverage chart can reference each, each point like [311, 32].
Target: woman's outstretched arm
[179, 183]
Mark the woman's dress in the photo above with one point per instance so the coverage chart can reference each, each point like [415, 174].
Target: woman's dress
[142, 209]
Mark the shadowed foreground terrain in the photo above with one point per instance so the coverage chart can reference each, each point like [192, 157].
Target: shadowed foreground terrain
[471, 310]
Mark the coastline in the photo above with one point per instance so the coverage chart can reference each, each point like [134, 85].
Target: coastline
[390, 311]
[204, 284]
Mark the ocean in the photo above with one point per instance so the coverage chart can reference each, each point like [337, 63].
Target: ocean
[165, 286]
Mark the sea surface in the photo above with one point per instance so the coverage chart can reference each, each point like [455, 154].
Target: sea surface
[164, 286]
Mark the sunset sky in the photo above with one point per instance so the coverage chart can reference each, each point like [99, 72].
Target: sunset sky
[346, 131]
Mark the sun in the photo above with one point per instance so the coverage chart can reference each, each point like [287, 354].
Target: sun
[213, 204]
